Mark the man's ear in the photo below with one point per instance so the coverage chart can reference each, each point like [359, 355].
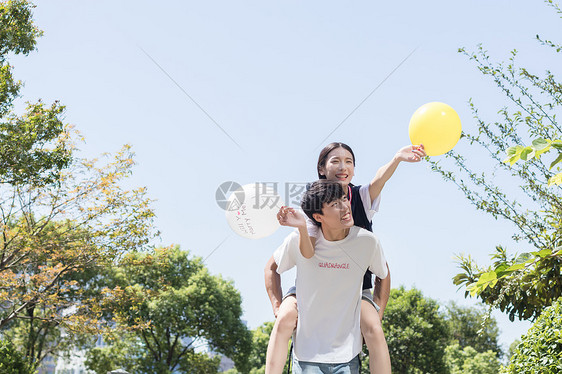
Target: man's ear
[318, 217]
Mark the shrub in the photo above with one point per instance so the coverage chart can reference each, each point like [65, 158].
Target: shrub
[540, 350]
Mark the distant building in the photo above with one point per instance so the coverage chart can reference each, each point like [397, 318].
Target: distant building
[72, 365]
[226, 364]
[48, 365]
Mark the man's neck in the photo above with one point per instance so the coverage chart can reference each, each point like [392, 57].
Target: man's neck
[333, 235]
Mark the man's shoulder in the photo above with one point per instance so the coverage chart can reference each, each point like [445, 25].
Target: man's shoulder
[362, 235]
[361, 232]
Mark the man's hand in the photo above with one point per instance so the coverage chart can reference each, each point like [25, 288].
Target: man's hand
[290, 217]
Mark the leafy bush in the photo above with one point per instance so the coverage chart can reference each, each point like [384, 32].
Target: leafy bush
[540, 350]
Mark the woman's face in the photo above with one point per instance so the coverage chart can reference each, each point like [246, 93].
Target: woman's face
[339, 166]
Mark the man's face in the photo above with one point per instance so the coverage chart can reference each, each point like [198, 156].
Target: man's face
[336, 214]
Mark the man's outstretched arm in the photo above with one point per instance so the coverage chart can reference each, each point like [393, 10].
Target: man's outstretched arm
[273, 285]
[382, 292]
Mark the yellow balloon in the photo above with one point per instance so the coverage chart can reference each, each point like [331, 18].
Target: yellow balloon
[437, 126]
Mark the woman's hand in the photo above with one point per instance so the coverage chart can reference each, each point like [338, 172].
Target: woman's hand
[411, 153]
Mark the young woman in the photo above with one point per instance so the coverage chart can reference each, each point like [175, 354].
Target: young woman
[337, 162]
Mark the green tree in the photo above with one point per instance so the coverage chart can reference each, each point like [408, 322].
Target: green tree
[472, 327]
[123, 352]
[12, 361]
[468, 361]
[416, 333]
[32, 146]
[540, 350]
[260, 340]
[512, 348]
[172, 305]
[520, 285]
[55, 240]
[60, 217]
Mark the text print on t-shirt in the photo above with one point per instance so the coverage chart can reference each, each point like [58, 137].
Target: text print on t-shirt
[333, 265]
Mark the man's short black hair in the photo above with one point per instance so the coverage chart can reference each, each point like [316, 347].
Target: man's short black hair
[321, 192]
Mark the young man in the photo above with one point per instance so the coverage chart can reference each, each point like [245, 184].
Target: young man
[328, 335]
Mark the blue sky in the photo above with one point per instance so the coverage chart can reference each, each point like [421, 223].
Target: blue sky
[278, 77]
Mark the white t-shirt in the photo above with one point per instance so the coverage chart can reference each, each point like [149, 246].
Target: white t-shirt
[329, 292]
[370, 209]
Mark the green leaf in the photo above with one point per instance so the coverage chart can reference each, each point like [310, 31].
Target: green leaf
[558, 159]
[514, 159]
[515, 267]
[501, 268]
[540, 144]
[511, 151]
[486, 277]
[543, 253]
[523, 258]
[526, 152]
[556, 144]
[556, 180]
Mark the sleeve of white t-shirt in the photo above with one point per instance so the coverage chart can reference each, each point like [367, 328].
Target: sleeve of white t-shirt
[377, 264]
[370, 207]
[285, 255]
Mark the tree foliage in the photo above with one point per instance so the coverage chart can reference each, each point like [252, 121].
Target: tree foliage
[34, 148]
[472, 327]
[32, 145]
[416, 333]
[12, 361]
[520, 285]
[54, 239]
[260, 340]
[18, 35]
[121, 353]
[172, 305]
[61, 217]
[468, 361]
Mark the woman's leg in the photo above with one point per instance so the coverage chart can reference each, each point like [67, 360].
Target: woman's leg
[371, 328]
[283, 328]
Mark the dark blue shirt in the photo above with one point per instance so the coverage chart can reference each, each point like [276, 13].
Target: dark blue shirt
[360, 219]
